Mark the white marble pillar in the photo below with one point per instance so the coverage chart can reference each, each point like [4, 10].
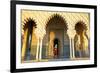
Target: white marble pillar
[74, 33]
[71, 33]
[70, 48]
[40, 53]
[73, 48]
[37, 51]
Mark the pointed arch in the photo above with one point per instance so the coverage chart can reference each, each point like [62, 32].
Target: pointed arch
[56, 18]
[28, 27]
[57, 25]
[81, 40]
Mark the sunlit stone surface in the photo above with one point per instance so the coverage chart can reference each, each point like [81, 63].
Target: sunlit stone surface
[51, 25]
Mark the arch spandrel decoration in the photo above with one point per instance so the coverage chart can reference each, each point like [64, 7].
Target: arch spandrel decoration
[70, 17]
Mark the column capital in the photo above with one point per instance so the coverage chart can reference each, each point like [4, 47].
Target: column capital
[39, 34]
[71, 33]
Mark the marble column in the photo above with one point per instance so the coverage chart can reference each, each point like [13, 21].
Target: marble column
[73, 36]
[37, 51]
[73, 48]
[40, 53]
[70, 48]
[71, 33]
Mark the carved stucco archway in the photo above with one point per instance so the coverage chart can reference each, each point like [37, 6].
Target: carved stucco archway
[55, 22]
[29, 38]
[81, 40]
[42, 18]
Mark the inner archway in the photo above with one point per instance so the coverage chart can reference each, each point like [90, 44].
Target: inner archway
[56, 28]
[28, 37]
[81, 40]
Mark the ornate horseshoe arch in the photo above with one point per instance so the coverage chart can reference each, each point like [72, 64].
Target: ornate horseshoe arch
[29, 41]
[81, 40]
[55, 25]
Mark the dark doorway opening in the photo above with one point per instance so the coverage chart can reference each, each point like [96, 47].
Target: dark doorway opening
[56, 48]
